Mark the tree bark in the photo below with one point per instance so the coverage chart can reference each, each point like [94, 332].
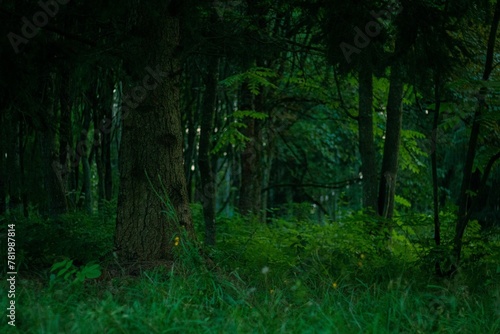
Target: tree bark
[365, 130]
[152, 201]
[13, 165]
[190, 113]
[56, 203]
[387, 187]
[3, 174]
[250, 190]
[65, 130]
[81, 150]
[435, 185]
[467, 187]
[207, 175]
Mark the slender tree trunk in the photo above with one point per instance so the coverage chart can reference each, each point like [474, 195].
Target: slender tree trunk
[56, 199]
[3, 163]
[465, 198]
[106, 130]
[365, 129]
[13, 169]
[190, 126]
[99, 163]
[22, 169]
[435, 185]
[102, 137]
[87, 186]
[249, 201]
[392, 141]
[207, 175]
[65, 130]
[81, 149]
[267, 167]
[152, 200]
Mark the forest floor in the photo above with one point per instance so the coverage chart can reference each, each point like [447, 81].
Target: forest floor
[203, 302]
[266, 280]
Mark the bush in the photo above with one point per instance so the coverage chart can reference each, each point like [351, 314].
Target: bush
[42, 241]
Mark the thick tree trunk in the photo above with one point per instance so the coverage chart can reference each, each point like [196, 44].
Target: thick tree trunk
[465, 198]
[207, 175]
[365, 129]
[390, 158]
[152, 200]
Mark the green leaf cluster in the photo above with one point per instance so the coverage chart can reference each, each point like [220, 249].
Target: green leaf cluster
[66, 271]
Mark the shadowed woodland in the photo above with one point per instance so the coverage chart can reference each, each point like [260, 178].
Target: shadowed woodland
[250, 166]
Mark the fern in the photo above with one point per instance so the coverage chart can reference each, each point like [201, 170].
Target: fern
[240, 114]
[257, 78]
[232, 135]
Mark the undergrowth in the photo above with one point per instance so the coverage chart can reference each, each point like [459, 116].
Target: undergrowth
[280, 277]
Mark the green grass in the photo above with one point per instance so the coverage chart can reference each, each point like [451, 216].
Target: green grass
[190, 301]
[281, 278]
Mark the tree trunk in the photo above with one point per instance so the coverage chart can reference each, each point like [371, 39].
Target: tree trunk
[250, 191]
[81, 150]
[390, 158]
[190, 117]
[152, 199]
[3, 173]
[106, 127]
[22, 147]
[435, 185]
[465, 198]
[56, 199]
[65, 131]
[365, 130]
[207, 175]
[102, 137]
[98, 162]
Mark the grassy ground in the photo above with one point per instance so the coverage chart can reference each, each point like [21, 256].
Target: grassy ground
[261, 283]
[191, 300]
[163, 301]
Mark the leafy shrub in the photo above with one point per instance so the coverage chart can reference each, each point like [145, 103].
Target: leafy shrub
[66, 271]
[316, 253]
[42, 241]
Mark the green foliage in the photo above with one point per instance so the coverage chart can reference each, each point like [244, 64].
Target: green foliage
[240, 114]
[231, 135]
[42, 241]
[402, 201]
[411, 155]
[334, 251]
[66, 271]
[268, 278]
[257, 79]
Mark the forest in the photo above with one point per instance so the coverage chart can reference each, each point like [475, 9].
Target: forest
[250, 166]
